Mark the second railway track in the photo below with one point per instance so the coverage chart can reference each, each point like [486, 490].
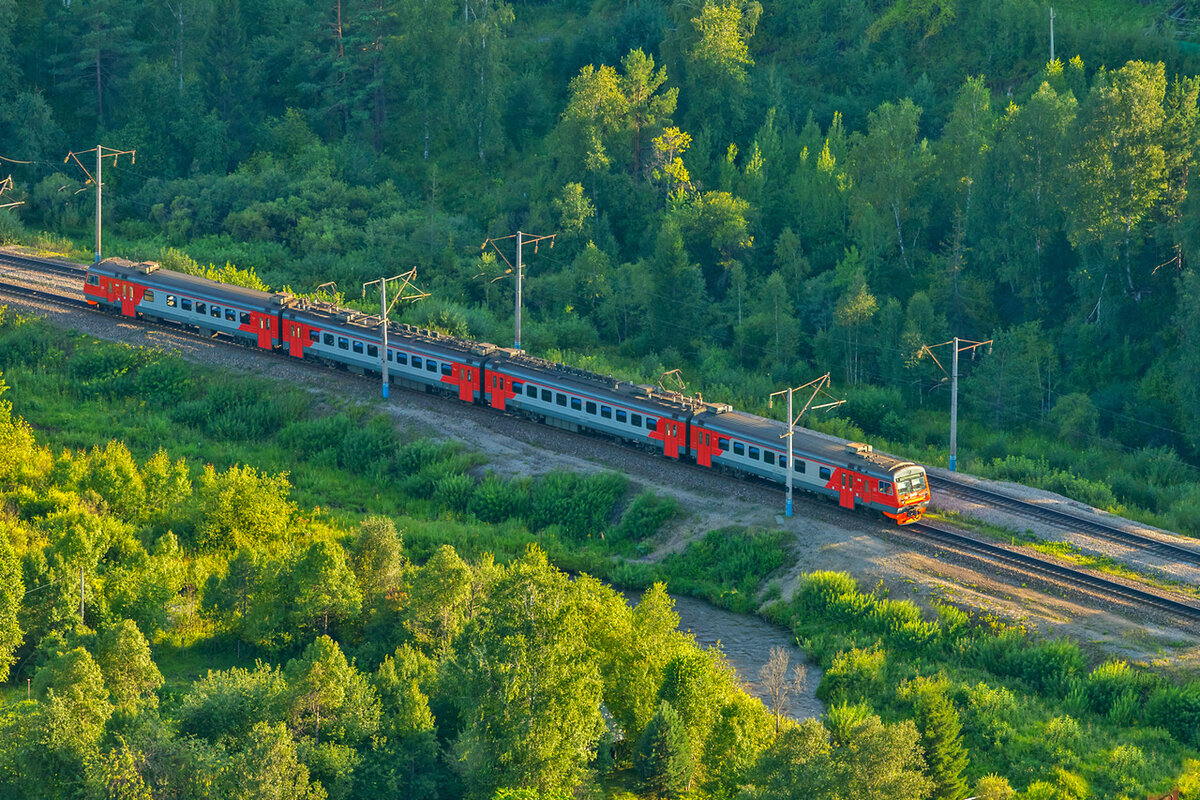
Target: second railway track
[1067, 521]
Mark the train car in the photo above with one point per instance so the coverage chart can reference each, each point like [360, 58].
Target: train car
[850, 472]
[132, 289]
[417, 358]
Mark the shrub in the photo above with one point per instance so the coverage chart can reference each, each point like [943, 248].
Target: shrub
[646, 516]
[854, 675]
[454, 492]
[496, 500]
[581, 505]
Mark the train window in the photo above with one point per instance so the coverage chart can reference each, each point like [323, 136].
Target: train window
[244, 317]
[343, 343]
[723, 444]
[170, 301]
[430, 365]
[606, 412]
[783, 462]
[739, 449]
[885, 487]
[651, 424]
[231, 315]
[591, 408]
[754, 453]
[185, 304]
[314, 335]
[799, 466]
[547, 396]
[201, 308]
[93, 280]
[825, 473]
[560, 398]
[518, 388]
[576, 404]
[149, 296]
[635, 420]
[357, 347]
[391, 355]
[621, 416]
[447, 369]
[769, 457]
[402, 358]
[215, 311]
[417, 362]
[329, 340]
[531, 391]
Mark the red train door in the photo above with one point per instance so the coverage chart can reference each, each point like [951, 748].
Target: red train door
[846, 495]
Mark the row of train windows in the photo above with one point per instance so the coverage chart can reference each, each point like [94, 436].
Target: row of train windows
[203, 309]
[577, 404]
[417, 362]
[740, 449]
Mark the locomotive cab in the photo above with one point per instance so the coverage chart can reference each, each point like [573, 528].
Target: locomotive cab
[912, 493]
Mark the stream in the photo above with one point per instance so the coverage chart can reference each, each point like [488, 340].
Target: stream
[746, 642]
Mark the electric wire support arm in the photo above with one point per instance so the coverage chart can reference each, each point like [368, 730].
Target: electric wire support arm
[818, 388]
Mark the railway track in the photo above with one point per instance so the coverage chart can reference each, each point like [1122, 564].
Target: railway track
[1062, 519]
[1054, 571]
[992, 553]
[42, 265]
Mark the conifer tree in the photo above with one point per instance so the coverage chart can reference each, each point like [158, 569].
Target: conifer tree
[941, 739]
[664, 754]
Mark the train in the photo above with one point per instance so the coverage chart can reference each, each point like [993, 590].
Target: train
[668, 423]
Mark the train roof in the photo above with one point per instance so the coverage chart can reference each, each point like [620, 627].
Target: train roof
[329, 316]
[829, 449]
[150, 274]
[518, 362]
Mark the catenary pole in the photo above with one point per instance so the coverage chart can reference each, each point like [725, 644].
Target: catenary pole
[517, 316]
[789, 434]
[960, 345]
[406, 282]
[522, 240]
[102, 152]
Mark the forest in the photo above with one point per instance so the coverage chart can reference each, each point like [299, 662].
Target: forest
[201, 597]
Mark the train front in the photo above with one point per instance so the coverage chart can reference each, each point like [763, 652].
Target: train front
[912, 493]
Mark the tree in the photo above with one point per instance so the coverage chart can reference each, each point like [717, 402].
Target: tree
[856, 756]
[528, 692]
[1119, 173]
[739, 738]
[324, 586]
[378, 557]
[327, 694]
[12, 592]
[130, 674]
[778, 686]
[890, 165]
[663, 758]
[267, 766]
[854, 309]
[440, 593]
[941, 740]
[242, 506]
[1031, 165]
[403, 759]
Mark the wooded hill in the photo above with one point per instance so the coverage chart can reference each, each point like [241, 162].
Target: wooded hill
[757, 193]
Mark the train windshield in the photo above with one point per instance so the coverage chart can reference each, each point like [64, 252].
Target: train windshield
[910, 480]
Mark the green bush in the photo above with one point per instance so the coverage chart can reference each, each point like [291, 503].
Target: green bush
[580, 504]
[646, 516]
[454, 492]
[496, 500]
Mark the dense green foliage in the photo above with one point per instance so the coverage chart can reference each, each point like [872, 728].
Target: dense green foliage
[754, 191]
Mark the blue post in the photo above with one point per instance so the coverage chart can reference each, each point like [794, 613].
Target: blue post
[385, 391]
[789, 507]
[952, 460]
